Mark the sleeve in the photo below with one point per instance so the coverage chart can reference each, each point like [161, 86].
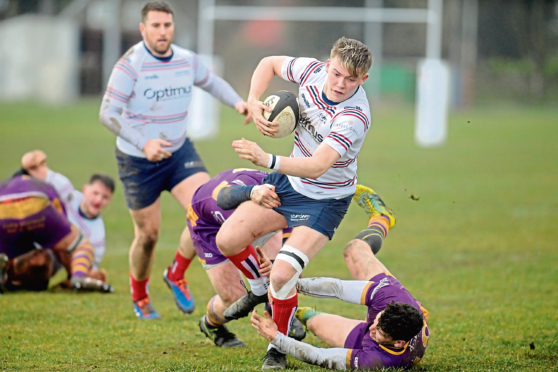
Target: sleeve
[348, 127]
[120, 89]
[330, 358]
[214, 85]
[351, 291]
[231, 196]
[62, 184]
[100, 246]
[299, 70]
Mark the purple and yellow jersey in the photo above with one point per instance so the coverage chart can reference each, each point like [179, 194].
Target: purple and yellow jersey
[205, 217]
[365, 353]
[30, 212]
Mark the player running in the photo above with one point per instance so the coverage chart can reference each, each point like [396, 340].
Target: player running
[315, 184]
[146, 106]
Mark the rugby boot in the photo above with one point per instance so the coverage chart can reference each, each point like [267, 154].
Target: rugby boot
[145, 310]
[373, 205]
[4, 263]
[274, 359]
[90, 285]
[220, 335]
[182, 296]
[242, 307]
[297, 330]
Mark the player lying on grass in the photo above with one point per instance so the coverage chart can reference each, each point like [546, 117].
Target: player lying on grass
[83, 208]
[395, 333]
[212, 204]
[31, 215]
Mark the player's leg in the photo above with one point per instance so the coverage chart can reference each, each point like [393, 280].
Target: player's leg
[249, 222]
[303, 244]
[360, 260]
[330, 328]
[147, 222]
[174, 274]
[381, 218]
[30, 271]
[226, 281]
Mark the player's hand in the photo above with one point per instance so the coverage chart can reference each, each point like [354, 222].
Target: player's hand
[256, 109]
[265, 325]
[265, 196]
[265, 263]
[34, 162]
[251, 151]
[242, 108]
[154, 150]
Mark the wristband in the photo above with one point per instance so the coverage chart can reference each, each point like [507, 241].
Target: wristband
[273, 162]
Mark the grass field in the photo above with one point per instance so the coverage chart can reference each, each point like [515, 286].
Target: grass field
[478, 247]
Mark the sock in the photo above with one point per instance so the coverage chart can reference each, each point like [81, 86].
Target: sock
[211, 319]
[375, 233]
[138, 288]
[82, 260]
[247, 262]
[178, 267]
[283, 311]
[305, 313]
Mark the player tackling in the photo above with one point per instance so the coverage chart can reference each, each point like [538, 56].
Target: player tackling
[315, 184]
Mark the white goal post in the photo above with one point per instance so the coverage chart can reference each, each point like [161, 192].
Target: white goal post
[209, 13]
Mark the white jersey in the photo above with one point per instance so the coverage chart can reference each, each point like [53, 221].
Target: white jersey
[150, 96]
[342, 126]
[92, 228]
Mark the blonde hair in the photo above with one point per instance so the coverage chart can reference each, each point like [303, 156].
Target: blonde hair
[353, 54]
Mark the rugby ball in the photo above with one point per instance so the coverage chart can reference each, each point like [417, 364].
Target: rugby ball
[285, 112]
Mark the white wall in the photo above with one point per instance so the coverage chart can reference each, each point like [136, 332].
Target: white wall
[39, 59]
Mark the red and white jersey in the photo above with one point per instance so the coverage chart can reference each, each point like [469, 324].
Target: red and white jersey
[153, 95]
[92, 228]
[341, 125]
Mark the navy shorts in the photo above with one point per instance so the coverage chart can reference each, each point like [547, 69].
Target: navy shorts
[323, 215]
[144, 180]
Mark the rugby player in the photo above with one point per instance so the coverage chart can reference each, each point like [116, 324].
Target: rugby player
[83, 208]
[212, 204]
[31, 215]
[146, 106]
[315, 184]
[394, 334]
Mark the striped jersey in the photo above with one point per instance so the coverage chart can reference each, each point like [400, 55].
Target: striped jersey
[342, 126]
[153, 94]
[92, 228]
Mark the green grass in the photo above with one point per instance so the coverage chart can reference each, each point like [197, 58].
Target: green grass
[478, 247]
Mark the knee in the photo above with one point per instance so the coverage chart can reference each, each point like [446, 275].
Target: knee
[231, 295]
[226, 242]
[146, 238]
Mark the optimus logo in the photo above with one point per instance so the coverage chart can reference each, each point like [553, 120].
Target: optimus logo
[166, 93]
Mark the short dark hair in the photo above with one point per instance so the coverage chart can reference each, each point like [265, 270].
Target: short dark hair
[157, 6]
[105, 179]
[400, 321]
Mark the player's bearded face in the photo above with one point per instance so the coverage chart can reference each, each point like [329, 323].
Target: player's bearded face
[340, 84]
[158, 31]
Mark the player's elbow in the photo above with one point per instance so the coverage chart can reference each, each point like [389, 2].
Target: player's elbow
[317, 170]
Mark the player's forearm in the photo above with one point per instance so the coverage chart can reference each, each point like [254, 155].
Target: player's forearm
[222, 90]
[345, 290]
[302, 167]
[262, 76]
[111, 117]
[231, 196]
[331, 358]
